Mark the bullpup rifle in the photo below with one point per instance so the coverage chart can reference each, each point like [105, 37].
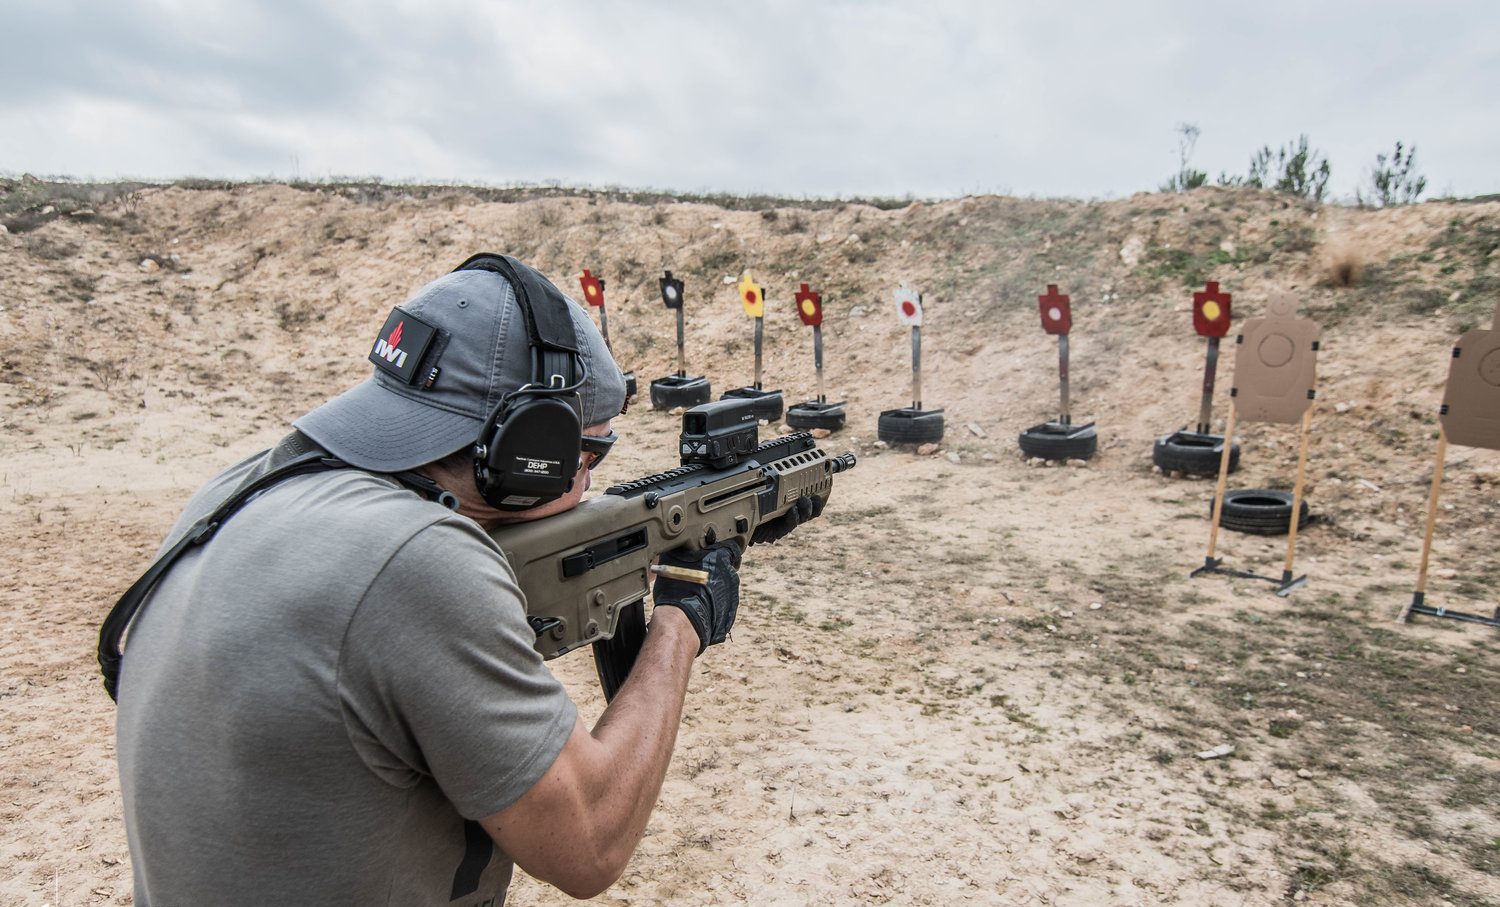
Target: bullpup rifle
[586, 571]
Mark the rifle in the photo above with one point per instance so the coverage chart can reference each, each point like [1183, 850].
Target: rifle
[585, 571]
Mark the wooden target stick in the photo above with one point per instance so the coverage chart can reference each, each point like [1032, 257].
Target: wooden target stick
[1213, 532]
[1291, 538]
[1420, 592]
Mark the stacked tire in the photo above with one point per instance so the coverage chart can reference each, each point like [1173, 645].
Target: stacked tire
[675, 390]
[1194, 454]
[910, 426]
[1053, 441]
[811, 415]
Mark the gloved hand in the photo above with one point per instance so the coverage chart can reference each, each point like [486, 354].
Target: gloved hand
[804, 509]
[711, 608]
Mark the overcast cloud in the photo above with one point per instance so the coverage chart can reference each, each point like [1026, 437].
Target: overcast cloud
[794, 98]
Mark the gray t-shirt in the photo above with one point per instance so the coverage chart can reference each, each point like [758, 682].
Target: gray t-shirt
[316, 704]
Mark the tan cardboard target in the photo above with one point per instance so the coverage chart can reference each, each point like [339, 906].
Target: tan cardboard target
[1471, 402]
[1276, 365]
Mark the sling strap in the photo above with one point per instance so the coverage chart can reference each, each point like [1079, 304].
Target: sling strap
[112, 631]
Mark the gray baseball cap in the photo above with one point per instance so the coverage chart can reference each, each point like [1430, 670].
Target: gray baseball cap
[467, 328]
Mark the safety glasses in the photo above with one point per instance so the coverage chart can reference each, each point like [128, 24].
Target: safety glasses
[599, 446]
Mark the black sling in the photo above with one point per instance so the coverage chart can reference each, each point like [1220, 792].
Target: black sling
[119, 619]
[308, 457]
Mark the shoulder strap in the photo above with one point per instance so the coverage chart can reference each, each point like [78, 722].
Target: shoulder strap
[112, 631]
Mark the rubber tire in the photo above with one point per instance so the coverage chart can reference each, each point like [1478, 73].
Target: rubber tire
[631, 388]
[910, 426]
[668, 393]
[768, 405]
[1193, 454]
[1055, 446]
[804, 419]
[1259, 511]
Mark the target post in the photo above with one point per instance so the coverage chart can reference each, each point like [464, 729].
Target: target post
[1469, 417]
[678, 389]
[817, 413]
[593, 294]
[913, 424]
[768, 404]
[1211, 318]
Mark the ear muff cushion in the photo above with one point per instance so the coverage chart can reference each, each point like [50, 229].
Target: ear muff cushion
[531, 456]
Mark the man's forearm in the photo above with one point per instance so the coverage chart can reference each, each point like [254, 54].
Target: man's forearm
[639, 728]
[577, 827]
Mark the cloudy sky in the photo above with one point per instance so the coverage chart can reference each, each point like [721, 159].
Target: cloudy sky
[818, 97]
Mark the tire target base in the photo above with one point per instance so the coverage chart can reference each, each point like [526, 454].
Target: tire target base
[1193, 453]
[680, 390]
[631, 387]
[1055, 441]
[766, 404]
[1260, 511]
[813, 414]
[910, 426]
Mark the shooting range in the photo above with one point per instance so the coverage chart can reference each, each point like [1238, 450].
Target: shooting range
[816, 413]
[768, 404]
[593, 294]
[679, 388]
[1275, 380]
[947, 619]
[1059, 439]
[911, 424]
[1198, 452]
[1470, 417]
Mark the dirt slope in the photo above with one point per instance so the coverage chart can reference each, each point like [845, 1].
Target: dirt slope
[974, 680]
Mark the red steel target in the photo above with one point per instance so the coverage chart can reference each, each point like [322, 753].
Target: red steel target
[1057, 313]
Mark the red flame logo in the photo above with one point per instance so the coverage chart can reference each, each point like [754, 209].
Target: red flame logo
[395, 339]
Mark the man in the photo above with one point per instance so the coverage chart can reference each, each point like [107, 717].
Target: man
[335, 700]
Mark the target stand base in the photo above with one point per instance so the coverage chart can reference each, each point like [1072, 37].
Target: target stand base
[1060, 441]
[910, 425]
[1285, 583]
[680, 390]
[767, 405]
[815, 414]
[1419, 606]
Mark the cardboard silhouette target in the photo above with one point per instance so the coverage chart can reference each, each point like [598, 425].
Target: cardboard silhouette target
[680, 389]
[1471, 400]
[1059, 439]
[1276, 365]
[818, 413]
[1197, 452]
[1469, 416]
[1275, 380]
[911, 424]
[766, 404]
[593, 294]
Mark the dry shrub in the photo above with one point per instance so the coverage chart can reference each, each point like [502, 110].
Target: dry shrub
[1343, 264]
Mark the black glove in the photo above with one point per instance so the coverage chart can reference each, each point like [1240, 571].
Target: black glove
[803, 509]
[711, 608]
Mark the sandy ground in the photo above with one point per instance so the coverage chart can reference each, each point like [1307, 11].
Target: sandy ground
[973, 680]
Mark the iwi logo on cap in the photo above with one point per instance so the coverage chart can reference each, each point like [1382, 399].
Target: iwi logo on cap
[389, 348]
[401, 344]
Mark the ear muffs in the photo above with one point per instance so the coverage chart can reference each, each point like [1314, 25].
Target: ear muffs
[528, 451]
